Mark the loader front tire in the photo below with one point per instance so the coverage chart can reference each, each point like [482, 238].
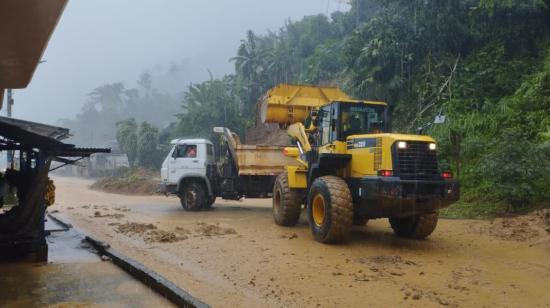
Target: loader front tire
[330, 209]
[287, 203]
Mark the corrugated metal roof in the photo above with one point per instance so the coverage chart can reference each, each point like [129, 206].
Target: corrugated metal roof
[20, 134]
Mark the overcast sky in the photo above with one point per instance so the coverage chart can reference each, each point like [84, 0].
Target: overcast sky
[103, 41]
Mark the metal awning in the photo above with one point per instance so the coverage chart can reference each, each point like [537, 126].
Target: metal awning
[25, 29]
[25, 135]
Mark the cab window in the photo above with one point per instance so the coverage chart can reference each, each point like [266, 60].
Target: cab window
[185, 151]
[325, 126]
[357, 119]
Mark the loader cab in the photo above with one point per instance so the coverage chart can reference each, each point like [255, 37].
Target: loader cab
[339, 120]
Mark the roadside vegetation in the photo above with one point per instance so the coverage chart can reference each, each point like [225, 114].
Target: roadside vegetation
[483, 64]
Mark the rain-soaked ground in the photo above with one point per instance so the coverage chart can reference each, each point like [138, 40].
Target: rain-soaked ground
[73, 277]
[235, 255]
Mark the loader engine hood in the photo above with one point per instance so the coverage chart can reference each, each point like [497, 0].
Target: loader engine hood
[355, 141]
[393, 153]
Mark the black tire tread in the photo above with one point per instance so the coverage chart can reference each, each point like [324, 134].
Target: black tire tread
[290, 203]
[415, 227]
[342, 209]
[201, 197]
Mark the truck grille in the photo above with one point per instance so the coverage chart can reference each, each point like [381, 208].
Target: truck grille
[417, 161]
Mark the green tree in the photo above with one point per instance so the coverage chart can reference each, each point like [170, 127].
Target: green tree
[148, 153]
[208, 104]
[127, 139]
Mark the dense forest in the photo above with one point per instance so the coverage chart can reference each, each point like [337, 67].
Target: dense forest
[483, 64]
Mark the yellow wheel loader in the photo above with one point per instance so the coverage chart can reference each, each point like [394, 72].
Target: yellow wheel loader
[351, 168]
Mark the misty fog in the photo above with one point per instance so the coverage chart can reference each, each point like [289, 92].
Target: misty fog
[100, 42]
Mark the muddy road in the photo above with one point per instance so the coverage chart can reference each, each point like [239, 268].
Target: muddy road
[235, 255]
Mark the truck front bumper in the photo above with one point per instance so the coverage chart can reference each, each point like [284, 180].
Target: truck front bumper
[166, 188]
[377, 197]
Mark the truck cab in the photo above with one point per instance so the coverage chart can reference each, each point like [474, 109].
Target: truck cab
[188, 162]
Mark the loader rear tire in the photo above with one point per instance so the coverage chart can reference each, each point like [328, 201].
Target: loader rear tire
[415, 227]
[287, 203]
[330, 209]
[193, 197]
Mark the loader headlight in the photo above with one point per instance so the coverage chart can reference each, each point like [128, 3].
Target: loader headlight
[402, 145]
[433, 146]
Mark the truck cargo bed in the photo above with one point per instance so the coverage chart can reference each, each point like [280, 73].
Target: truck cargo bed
[261, 159]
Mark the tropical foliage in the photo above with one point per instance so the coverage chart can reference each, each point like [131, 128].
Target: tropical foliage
[484, 64]
[481, 63]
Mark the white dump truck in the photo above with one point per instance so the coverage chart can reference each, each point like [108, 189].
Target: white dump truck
[194, 173]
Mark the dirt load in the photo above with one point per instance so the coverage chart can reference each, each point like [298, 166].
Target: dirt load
[132, 182]
[267, 134]
[235, 255]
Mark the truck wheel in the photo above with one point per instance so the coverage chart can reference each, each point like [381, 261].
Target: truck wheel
[193, 197]
[330, 209]
[359, 221]
[286, 202]
[209, 203]
[416, 227]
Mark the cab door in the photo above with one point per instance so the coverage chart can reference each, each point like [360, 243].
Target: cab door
[185, 161]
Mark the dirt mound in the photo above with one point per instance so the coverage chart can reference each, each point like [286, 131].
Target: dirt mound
[135, 228]
[150, 233]
[134, 182]
[98, 214]
[269, 134]
[522, 228]
[544, 216]
[205, 229]
[121, 186]
[163, 237]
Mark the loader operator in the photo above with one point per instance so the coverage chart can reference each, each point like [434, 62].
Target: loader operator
[355, 126]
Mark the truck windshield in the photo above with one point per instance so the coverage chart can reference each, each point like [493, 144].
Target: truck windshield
[358, 119]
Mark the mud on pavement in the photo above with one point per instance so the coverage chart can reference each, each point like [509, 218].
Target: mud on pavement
[235, 255]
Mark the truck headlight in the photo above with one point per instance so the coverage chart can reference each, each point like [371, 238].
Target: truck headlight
[433, 146]
[402, 145]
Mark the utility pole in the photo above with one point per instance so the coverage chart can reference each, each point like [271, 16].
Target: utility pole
[10, 102]
[10, 153]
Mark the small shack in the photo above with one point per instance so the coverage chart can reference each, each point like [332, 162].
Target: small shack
[25, 188]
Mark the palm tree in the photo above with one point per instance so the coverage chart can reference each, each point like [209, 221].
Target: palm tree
[249, 60]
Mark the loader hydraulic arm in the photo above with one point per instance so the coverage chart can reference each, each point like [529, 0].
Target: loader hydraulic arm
[298, 131]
